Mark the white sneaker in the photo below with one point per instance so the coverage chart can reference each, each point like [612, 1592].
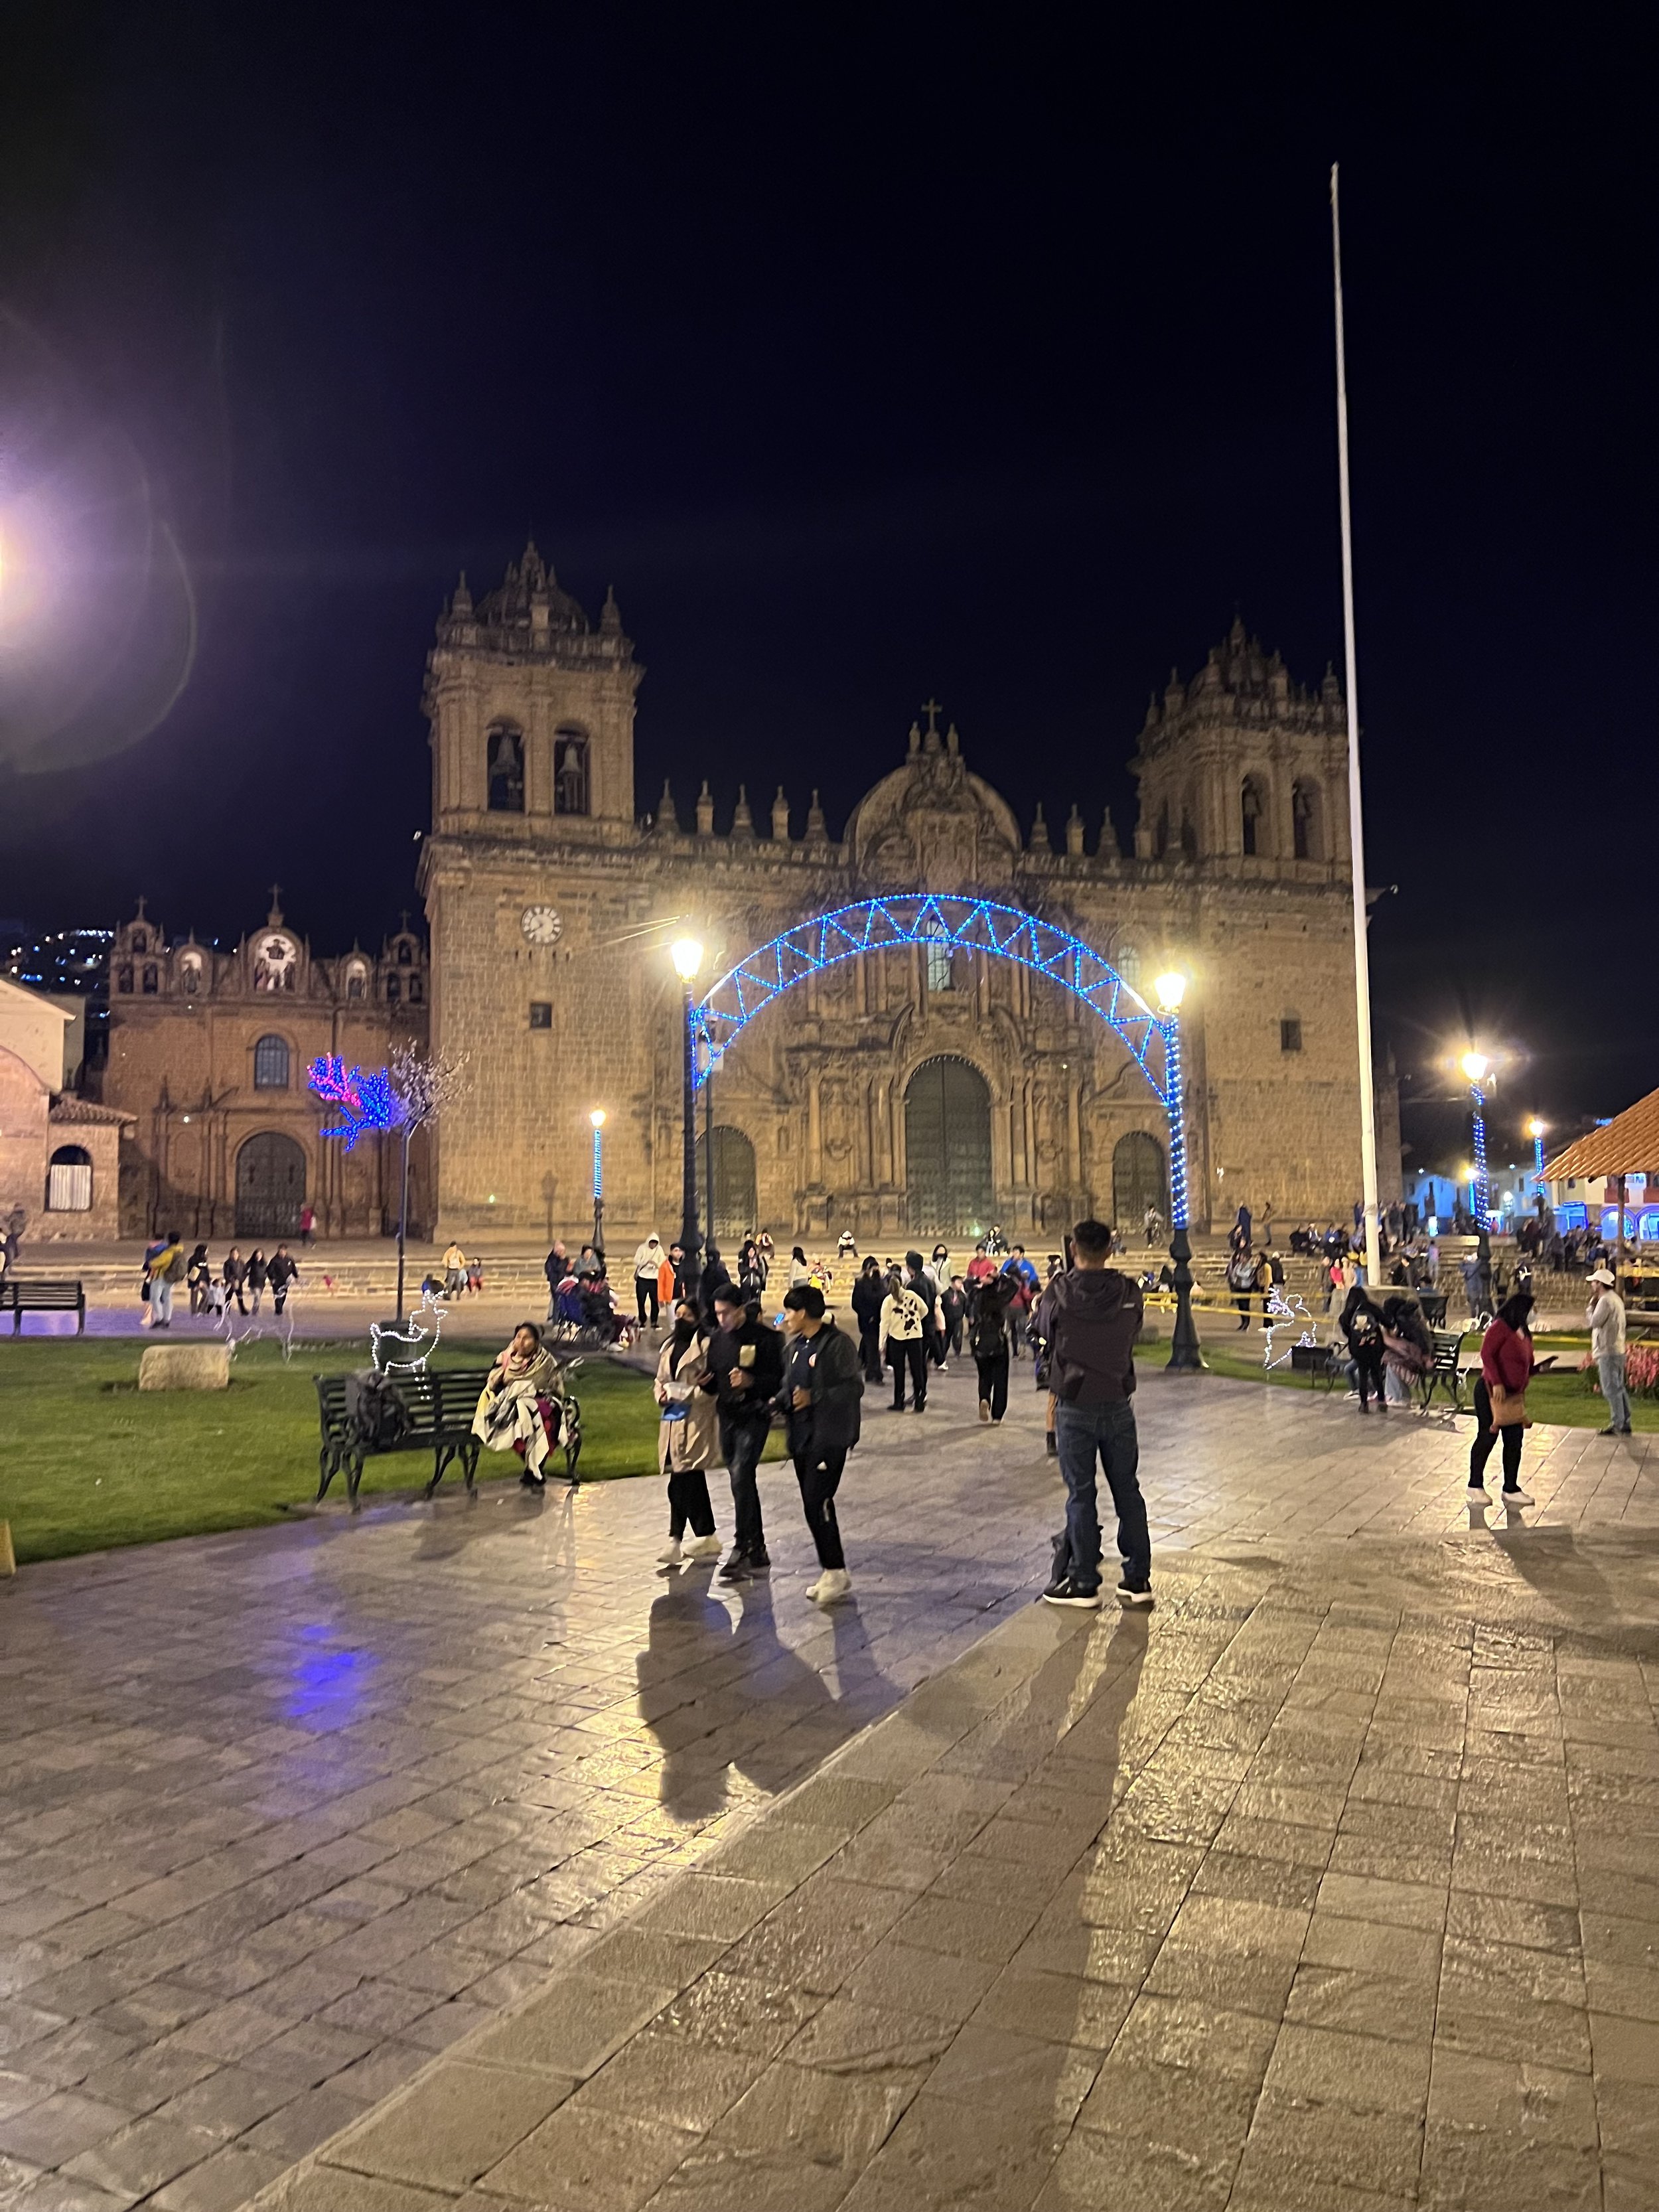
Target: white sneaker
[670, 1554]
[833, 1582]
[1515, 1497]
[702, 1548]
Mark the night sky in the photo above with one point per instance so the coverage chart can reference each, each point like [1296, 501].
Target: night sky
[870, 355]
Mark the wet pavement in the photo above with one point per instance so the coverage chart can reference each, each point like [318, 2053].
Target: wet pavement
[1336, 1877]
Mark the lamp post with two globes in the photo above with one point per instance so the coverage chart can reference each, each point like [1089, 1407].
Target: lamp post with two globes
[1171, 989]
[686, 953]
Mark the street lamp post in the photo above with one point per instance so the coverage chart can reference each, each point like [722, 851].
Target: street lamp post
[1184, 1345]
[597, 1117]
[1476, 1069]
[1535, 1131]
[687, 955]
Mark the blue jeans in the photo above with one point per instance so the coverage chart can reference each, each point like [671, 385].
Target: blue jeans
[1610, 1366]
[1107, 1433]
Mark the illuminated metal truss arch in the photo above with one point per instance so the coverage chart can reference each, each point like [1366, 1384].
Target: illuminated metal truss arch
[966, 925]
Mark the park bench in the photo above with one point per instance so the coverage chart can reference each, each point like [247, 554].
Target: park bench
[1445, 1372]
[1319, 1363]
[20, 1295]
[440, 1402]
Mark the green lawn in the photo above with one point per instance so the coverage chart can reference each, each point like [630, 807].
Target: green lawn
[86, 1461]
[1563, 1400]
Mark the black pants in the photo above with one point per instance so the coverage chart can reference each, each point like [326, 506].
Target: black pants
[235, 1290]
[870, 1348]
[1243, 1301]
[743, 1439]
[1485, 1437]
[687, 1500]
[1368, 1370]
[817, 1475]
[911, 1354]
[994, 1383]
[279, 1297]
[645, 1294]
[953, 1338]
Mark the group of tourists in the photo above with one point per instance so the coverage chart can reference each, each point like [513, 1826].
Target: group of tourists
[165, 1267]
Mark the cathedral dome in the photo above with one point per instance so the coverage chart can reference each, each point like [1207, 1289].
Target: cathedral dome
[529, 598]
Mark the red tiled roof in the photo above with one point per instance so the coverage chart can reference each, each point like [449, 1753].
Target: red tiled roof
[1628, 1146]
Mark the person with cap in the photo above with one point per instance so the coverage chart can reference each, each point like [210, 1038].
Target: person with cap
[1606, 1327]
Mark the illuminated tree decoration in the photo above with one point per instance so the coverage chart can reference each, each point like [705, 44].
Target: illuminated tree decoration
[368, 1101]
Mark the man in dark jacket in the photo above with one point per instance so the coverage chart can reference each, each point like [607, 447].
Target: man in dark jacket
[746, 1372]
[1090, 1318]
[822, 1387]
[282, 1274]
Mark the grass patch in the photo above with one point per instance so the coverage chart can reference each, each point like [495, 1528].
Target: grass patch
[87, 1461]
[1562, 1398]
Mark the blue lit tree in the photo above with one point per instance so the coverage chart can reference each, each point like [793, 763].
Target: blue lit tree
[407, 1096]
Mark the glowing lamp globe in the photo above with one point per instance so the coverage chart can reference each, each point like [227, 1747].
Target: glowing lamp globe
[686, 953]
[1171, 989]
[1535, 1127]
[597, 1117]
[1476, 1066]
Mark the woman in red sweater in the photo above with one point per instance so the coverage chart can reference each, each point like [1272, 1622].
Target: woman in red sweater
[1507, 1361]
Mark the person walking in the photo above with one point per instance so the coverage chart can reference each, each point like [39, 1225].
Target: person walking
[868, 1292]
[1243, 1273]
[1089, 1318]
[1606, 1317]
[1026, 1286]
[234, 1275]
[685, 1439]
[307, 1222]
[822, 1389]
[987, 1340]
[647, 1265]
[166, 1271]
[454, 1271]
[256, 1275]
[902, 1335]
[198, 1274]
[1361, 1323]
[919, 1279]
[746, 1370]
[952, 1313]
[1507, 1365]
[282, 1273]
[556, 1267]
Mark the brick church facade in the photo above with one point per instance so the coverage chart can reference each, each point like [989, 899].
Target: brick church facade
[913, 1090]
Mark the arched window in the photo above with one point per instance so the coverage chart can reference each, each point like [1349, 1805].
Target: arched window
[394, 990]
[1307, 820]
[1253, 805]
[504, 754]
[405, 953]
[190, 972]
[123, 981]
[570, 792]
[414, 991]
[356, 980]
[270, 1064]
[152, 982]
[940, 976]
[68, 1179]
[1126, 961]
[140, 942]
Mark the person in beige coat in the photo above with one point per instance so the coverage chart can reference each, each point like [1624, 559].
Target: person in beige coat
[686, 1438]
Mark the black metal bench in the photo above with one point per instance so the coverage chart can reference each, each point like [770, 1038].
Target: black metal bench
[1319, 1363]
[1445, 1373]
[20, 1295]
[441, 1404]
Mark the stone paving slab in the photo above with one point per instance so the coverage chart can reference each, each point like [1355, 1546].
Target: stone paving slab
[286, 1813]
[1293, 1894]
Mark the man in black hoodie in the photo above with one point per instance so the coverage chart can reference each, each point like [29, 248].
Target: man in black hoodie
[746, 1371]
[1090, 1318]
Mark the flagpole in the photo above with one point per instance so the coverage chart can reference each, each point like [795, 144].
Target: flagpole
[1362, 968]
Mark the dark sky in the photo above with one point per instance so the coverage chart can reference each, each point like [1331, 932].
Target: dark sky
[870, 354]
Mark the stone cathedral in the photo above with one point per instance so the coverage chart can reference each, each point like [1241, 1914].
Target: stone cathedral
[917, 1090]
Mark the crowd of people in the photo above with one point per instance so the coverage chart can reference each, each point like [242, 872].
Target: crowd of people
[243, 1283]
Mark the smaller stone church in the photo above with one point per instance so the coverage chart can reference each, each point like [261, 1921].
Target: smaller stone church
[60, 1155]
[209, 1055]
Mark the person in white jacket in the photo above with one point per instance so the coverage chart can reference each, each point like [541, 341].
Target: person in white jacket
[647, 1259]
[686, 1438]
[904, 1340]
[1606, 1327]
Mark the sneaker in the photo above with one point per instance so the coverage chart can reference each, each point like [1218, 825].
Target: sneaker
[737, 1568]
[670, 1554]
[1051, 1445]
[1133, 1592]
[1068, 1591]
[985, 1409]
[1516, 1496]
[1613, 1432]
[702, 1548]
[833, 1582]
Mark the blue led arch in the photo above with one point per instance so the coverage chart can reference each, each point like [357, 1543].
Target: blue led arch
[965, 924]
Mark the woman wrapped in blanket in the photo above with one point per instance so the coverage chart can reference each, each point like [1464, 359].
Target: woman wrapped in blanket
[517, 1409]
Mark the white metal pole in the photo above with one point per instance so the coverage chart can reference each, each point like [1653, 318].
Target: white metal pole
[1361, 966]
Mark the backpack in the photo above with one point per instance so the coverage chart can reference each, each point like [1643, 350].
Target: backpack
[986, 1337]
[376, 1409]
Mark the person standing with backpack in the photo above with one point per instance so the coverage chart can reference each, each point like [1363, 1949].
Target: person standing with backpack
[1090, 1318]
[987, 1340]
[819, 1400]
[868, 1293]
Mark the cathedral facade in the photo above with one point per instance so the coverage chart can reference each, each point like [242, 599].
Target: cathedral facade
[915, 1088]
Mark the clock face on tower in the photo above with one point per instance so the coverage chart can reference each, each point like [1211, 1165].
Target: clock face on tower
[542, 924]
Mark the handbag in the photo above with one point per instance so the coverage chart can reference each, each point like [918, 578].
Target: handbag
[1509, 1407]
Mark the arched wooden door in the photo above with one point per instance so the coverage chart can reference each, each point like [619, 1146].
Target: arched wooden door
[947, 1149]
[1138, 1180]
[271, 1186]
[729, 1203]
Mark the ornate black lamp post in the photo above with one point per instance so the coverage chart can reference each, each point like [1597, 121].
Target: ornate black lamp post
[1184, 1345]
[687, 955]
[597, 1118]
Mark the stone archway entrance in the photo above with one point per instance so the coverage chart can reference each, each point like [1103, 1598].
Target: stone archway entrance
[729, 1200]
[271, 1186]
[1138, 1180]
[947, 1149]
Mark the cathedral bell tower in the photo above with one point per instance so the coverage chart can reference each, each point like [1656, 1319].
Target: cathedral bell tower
[531, 715]
[1244, 771]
